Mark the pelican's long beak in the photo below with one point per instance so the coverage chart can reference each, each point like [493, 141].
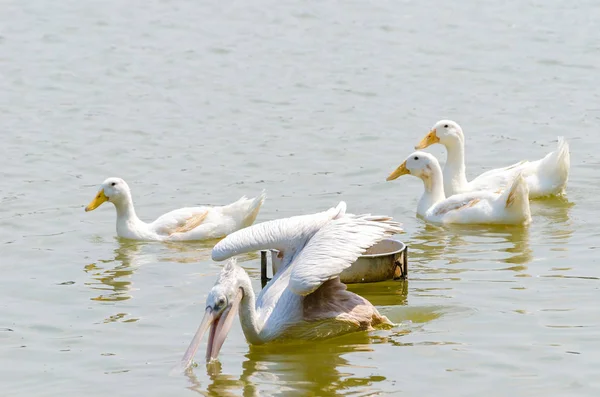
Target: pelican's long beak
[220, 324]
[429, 140]
[401, 170]
[97, 201]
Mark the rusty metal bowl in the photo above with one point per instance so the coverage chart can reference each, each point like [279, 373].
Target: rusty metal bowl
[386, 260]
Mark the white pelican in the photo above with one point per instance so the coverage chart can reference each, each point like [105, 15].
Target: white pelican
[305, 299]
[191, 223]
[544, 177]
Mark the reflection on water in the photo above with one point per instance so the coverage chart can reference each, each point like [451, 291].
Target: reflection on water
[317, 369]
[429, 243]
[114, 281]
[312, 368]
[414, 320]
[556, 209]
[385, 293]
[129, 256]
[112, 277]
[188, 252]
[459, 244]
[558, 227]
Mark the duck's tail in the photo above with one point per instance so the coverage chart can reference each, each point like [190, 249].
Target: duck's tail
[554, 168]
[516, 198]
[253, 207]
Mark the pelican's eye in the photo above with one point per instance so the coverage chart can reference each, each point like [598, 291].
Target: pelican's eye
[220, 303]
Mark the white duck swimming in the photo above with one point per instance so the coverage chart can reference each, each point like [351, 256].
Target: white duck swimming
[191, 223]
[545, 177]
[305, 299]
[478, 207]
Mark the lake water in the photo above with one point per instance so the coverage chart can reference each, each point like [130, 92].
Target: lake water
[202, 102]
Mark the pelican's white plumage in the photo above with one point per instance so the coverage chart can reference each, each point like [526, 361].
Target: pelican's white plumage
[305, 299]
[286, 235]
[190, 223]
[544, 177]
[479, 207]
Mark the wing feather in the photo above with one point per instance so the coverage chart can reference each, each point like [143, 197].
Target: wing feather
[462, 200]
[500, 177]
[335, 247]
[496, 171]
[180, 221]
[191, 223]
[287, 235]
[448, 206]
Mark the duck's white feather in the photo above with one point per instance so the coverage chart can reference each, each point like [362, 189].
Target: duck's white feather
[484, 207]
[544, 177]
[507, 206]
[215, 222]
[500, 172]
[190, 223]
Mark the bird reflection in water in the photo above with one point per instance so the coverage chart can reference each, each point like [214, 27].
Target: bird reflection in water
[188, 252]
[112, 277]
[313, 368]
[295, 369]
[389, 294]
[558, 227]
[461, 244]
[557, 230]
[113, 280]
[429, 243]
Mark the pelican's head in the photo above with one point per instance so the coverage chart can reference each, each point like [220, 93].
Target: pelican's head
[446, 132]
[419, 164]
[222, 303]
[114, 190]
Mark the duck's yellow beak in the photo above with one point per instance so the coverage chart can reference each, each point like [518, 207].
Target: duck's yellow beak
[401, 170]
[429, 140]
[97, 201]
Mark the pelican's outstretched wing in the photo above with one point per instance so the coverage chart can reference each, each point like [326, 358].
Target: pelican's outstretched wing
[335, 247]
[287, 235]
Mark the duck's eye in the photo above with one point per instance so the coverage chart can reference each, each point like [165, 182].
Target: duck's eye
[113, 184]
[445, 125]
[416, 157]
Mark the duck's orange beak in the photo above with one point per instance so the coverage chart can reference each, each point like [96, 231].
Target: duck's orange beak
[97, 201]
[398, 172]
[429, 140]
[220, 324]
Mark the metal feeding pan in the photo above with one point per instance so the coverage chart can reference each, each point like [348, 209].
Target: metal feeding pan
[386, 260]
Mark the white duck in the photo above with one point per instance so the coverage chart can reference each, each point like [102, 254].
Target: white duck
[478, 207]
[305, 299]
[191, 223]
[545, 177]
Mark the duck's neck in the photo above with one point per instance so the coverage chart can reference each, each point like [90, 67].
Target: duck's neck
[128, 224]
[434, 189]
[248, 316]
[455, 177]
